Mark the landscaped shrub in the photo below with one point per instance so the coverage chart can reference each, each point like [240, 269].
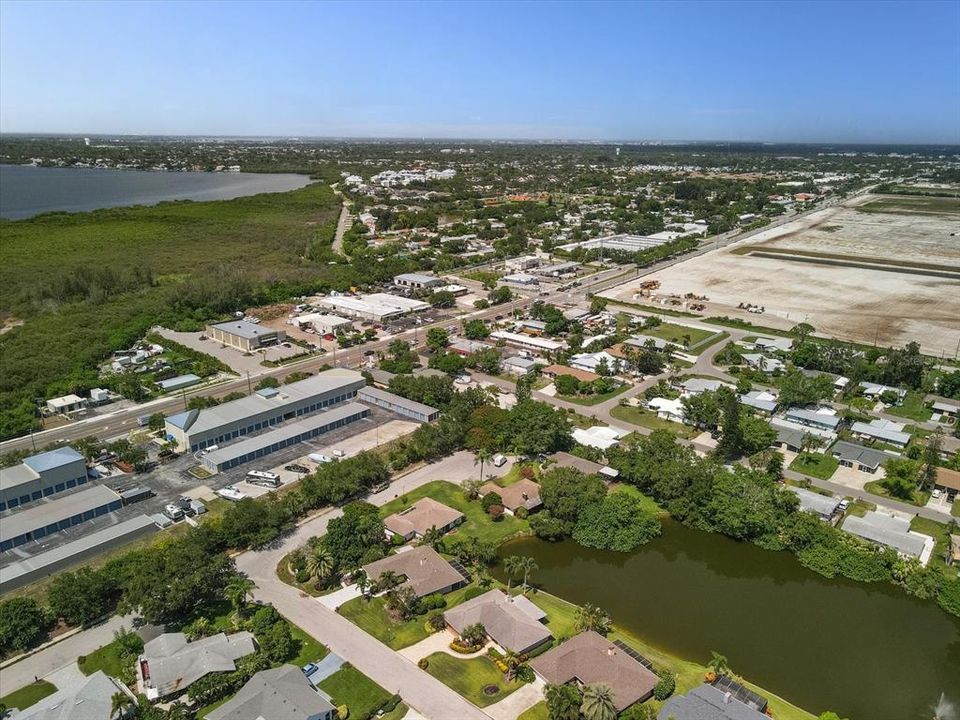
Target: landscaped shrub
[665, 687]
[473, 592]
[949, 597]
[303, 576]
[491, 499]
[391, 703]
[495, 512]
[343, 712]
[433, 602]
[527, 472]
[423, 663]
[521, 513]
[463, 649]
[435, 621]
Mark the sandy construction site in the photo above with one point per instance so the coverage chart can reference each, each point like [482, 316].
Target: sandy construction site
[879, 269]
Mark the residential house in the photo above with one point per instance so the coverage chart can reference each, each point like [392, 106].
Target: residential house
[517, 365]
[421, 517]
[587, 467]
[522, 494]
[170, 663]
[883, 430]
[422, 569]
[823, 506]
[591, 361]
[281, 693]
[948, 482]
[821, 418]
[86, 698]
[526, 342]
[769, 344]
[695, 386]
[892, 532]
[789, 437]
[763, 363]
[875, 390]
[601, 437]
[512, 622]
[591, 659]
[708, 702]
[464, 347]
[555, 371]
[862, 458]
[648, 342]
[765, 402]
[947, 408]
[667, 409]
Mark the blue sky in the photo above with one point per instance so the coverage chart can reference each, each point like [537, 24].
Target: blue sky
[798, 71]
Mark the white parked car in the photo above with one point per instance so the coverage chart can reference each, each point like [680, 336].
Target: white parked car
[936, 493]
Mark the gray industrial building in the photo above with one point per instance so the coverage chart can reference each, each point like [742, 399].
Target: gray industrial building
[284, 436]
[199, 429]
[246, 336]
[40, 476]
[54, 515]
[23, 572]
[396, 404]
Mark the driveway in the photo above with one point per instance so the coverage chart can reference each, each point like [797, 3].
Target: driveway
[338, 598]
[438, 642]
[517, 702]
[58, 659]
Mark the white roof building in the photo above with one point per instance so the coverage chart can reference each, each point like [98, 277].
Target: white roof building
[601, 437]
[667, 409]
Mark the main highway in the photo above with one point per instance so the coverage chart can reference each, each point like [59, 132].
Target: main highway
[122, 421]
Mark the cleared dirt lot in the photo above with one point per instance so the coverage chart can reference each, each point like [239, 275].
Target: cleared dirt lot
[887, 306]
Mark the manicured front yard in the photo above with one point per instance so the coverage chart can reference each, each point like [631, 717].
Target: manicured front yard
[371, 616]
[469, 677]
[537, 712]
[875, 487]
[310, 649]
[647, 419]
[29, 695]
[106, 658]
[955, 510]
[594, 399]
[818, 465]
[646, 502]
[477, 524]
[362, 696]
[912, 408]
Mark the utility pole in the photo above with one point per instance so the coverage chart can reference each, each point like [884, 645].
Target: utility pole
[249, 386]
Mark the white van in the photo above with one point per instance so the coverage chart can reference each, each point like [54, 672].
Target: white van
[499, 460]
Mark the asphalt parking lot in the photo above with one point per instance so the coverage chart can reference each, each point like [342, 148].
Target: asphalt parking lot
[169, 482]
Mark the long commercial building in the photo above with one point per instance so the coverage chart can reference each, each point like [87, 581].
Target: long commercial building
[399, 405]
[40, 476]
[199, 429]
[50, 517]
[25, 571]
[377, 306]
[286, 435]
[525, 341]
[246, 336]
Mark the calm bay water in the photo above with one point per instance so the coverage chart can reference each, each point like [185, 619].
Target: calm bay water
[868, 652]
[28, 191]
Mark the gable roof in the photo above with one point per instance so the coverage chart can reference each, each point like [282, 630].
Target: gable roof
[173, 664]
[425, 570]
[861, 454]
[89, 700]
[424, 514]
[578, 373]
[590, 658]
[282, 693]
[523, 493]
[508, 622]
[948, 478]
[886, 530]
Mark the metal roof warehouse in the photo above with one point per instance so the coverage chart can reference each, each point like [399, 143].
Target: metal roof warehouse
[50, 517]
[399, 405]
[285, 436]
[198, 429]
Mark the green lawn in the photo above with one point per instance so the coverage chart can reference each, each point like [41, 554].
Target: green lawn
[941, 533]
[207, 709]
[29, 695]
[362, 696]
[470, 676]
[678, 334]
[912, 408]
[537, 712]
[371, 616]
[594, 399]
[818, 465]
[955, 510]
[875, 487]
[477, 524]
[106, 658]
[709, 342]
[647, 419]
[647, 502]
[397, 713]
[859, 507]
[310, 649]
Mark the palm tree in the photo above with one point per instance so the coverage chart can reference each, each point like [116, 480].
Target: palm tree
[433, 537]
[388, 580]
[320, 564]
[237, 591]
[513, 567]
[513, 661]
[598, 703]
[362, 581]
[481, 456]
[590, 617]
[718, 663]
[562, 704]
[527, 566]
[120, 702]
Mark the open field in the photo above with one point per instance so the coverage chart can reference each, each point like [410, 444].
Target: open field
[806, 273]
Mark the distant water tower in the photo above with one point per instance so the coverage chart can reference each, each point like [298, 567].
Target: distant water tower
[86, 141]
[618, 152]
